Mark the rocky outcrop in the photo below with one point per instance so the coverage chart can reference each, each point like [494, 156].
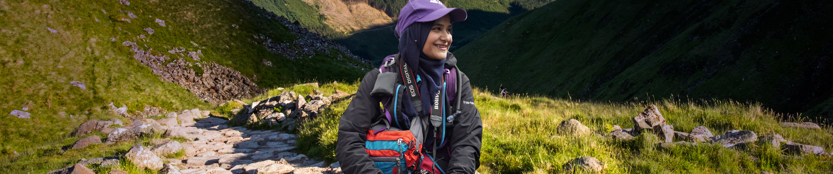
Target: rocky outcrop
[285, 110]
[214, 84]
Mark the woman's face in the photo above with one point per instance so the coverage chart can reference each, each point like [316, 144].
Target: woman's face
[439, 39]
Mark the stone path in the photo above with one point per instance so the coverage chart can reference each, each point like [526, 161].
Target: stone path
[218, 148]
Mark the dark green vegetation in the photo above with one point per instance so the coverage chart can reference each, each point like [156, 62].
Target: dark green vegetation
[376, 43]
[47, 45]
[779, 53]
[519, 136]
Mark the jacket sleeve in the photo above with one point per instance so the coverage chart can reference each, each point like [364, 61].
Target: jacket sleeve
[465, 139]
[353, 126]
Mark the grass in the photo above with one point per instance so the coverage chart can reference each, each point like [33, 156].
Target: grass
[39, 66]
[519, 137]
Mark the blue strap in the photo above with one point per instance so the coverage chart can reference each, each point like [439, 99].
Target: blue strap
[435, 163]
[395, 105]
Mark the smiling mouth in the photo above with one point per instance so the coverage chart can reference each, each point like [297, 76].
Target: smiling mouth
[442, 47]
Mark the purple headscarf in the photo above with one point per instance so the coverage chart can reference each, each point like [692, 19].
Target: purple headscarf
[429, 70]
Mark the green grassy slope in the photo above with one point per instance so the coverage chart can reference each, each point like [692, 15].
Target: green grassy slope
[519, 136]
[774, 52]
[47, 45]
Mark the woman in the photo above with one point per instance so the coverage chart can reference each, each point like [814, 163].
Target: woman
[424, 32]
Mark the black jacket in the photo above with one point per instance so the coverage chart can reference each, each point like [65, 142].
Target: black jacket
[464, 142]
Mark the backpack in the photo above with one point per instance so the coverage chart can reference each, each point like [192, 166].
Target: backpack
[394, 143]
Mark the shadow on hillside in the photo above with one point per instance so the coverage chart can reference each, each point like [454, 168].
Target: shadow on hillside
[377, 42]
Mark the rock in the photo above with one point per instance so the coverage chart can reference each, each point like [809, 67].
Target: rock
[807, 125]
[585, 164]
[142, 157]
[170, 147]
[186, 118]
[160, 22]
[700, 134]
[269, 166]
[84, 142]
[735, 137]
[616, 127]
[171, 115]
[666, 132]
[335, 165]
[287, 97]
[81, 169]
[313, 107]
[775, 140]
[117, 171]
[796, 148]
[120, 134]
[297, 159]
[620, 135]
[300, 102]
[168, 122]
[169, 169]
[573, 127]
[176, 132]
[147, 127]
[90, 126]
[649, 119]
[110, 162]
[682, 136]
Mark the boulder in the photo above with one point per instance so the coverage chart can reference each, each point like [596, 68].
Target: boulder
[682, 136]
[142, 157]
[147, 127]
[170, 147]
[84, 142]
[171, 115]
[81, 169]
[169, 169]
[186, 118]
[117, 171]
[288, 97]
[807, 125]
[91, 126]
[573, 127]
[584, 164]
[700, 134]
[648, 119]
[620, 135]
[313, 107]
[666, 132]
[120, 134]
[113, 162]
[168, 122]
[796, 148]
[775, 140]
[176, 131]
[735, 137]
[299, 103]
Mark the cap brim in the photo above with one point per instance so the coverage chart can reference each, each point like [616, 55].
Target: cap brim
[456, 14]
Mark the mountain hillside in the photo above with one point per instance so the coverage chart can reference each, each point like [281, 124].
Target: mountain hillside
[778, 53]
[65, 62]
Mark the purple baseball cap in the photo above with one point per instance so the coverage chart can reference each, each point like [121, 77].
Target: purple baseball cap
[426, 11]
